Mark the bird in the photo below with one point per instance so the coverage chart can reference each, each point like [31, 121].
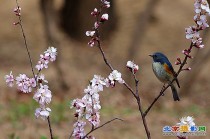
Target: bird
[164, 71]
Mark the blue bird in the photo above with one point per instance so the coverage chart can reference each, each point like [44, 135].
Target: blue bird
[164, 71]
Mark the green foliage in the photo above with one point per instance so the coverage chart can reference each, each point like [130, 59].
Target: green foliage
[58, 111]
[21, 110]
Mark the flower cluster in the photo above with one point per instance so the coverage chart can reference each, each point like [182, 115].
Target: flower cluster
[88, 107]
[100, 18]
[193, 32]
[49, 55]
[132, 67]
[105, 3]
[9, 79]
[113, 77]
[25, 84]
[201, 12]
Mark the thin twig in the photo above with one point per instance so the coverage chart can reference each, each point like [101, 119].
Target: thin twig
[93, 128]
[71, 134]
[138, 99]
[25, 42]
[49, 124]
[104, 57]
[155, 100]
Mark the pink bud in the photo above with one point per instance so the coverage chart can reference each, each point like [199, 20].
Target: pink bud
[16, 23]
[95, 12]
[96, 25]
[188, 69]
[179, 59]
[177, 63]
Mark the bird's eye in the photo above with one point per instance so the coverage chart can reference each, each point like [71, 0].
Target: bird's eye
[155, 56]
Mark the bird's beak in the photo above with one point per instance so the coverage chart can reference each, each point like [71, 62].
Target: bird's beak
[151, 55]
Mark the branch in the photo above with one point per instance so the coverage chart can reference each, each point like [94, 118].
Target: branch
[25, 42]
[103, 54]
[93, 128]
[49, 124]
[138, 99]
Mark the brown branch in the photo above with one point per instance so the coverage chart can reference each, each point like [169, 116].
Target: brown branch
[93, 128]
[197, 65]
[49, 124]
[25, 42]
[104, 57]
[138, 99]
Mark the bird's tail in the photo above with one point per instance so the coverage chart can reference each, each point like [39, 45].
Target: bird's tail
[174, 92]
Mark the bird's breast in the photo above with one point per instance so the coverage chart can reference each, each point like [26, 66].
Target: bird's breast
[160, 72]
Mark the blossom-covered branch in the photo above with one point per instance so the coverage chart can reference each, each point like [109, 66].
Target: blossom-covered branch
[25, 84]
[95, 37]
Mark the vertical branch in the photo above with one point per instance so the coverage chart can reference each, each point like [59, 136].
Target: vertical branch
[138, 99]
[25, 42]
[49, 124]
[30, 59]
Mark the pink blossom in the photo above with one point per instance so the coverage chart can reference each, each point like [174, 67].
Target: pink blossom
[105, 3]
[49, 55]
[51, 52]
[94, 119]
[201, 10]
[90, 33]
[79, 130]
[80, 106]
[96, 25]
[95, 12]
[24, 83]
[9, 79]
[132, 66]
[115, 76]
[104, 17]
[42, 112]
[43, 95]
[91, 43]
[43, 62]
[41, 79]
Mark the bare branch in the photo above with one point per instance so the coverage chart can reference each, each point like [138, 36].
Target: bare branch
[93, 128]
[49, 124]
